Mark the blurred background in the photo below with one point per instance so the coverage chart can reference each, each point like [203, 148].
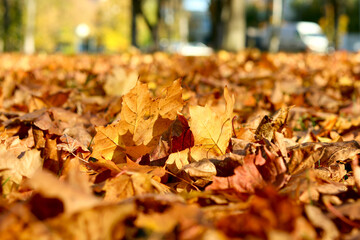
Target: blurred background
[189, 27]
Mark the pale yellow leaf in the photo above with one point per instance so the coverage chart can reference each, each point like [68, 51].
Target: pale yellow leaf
[212, 130]
[172, 103]
[176, 161]
[120, 82]
[108, 144]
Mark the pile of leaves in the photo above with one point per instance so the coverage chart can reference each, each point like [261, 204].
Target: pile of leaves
[136, 146]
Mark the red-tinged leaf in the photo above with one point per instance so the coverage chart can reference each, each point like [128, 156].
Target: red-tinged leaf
[246, 178]
[255, 173]
[185, 139]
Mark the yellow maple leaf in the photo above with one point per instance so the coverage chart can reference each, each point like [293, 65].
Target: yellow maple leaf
[145, 117]
[143, 120]
[139, 113]
[108, 144]
[212, 130]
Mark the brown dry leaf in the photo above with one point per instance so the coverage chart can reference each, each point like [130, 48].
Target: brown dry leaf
[256, 172]
[309, 184]
[212, 130]
[139, 125]
[73, 198]
[268, 126]
[201, 172]
[44, 122]
[268, 211]
[16, 166]
[56, 99]
[350, 210]
[320, 220]
[156, 172]
[71, 145]
[356, 171]
[265, 129]
[246, 178]
[308, 155]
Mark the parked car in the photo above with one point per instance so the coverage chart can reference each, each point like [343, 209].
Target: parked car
[299, 36]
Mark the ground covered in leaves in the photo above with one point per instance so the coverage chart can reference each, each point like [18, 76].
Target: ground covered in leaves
[134, 146]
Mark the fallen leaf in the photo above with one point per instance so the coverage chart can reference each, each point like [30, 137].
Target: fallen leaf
[15, 167]
[129, 185]
[256, 172]
[177, 160]
[320, 154]
[73, 198]
[108, 144]
[119, 82]
[212, 131]
[172, 102]
[320, 220]
[138, 114]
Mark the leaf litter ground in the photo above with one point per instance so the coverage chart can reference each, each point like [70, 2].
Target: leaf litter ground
[140, 146]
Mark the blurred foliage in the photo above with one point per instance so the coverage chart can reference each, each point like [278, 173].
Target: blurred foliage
[109, 23]
[112, 22]
[308, 10]
[252, 15]
[353, 12]
[11, 22]
[56, 22]
[314, 11]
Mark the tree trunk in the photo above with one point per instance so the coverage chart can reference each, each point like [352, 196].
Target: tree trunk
[29, 43]
[236, 27]
[276, 25]
[217, 32]
[154, 28]
[135, 6]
